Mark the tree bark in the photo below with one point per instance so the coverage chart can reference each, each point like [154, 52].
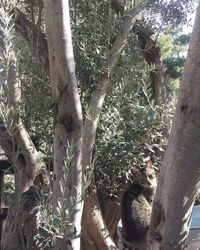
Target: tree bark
[67, 107]
[95, 233]
[21, 222]
[179, 176]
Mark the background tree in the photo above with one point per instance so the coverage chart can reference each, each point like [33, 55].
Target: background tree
[174, 49]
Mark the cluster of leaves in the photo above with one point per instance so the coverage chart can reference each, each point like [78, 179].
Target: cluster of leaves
[170, 12]
[131, 131]
[6, 55]
[55, 222]
[36, 99]
[94, 27]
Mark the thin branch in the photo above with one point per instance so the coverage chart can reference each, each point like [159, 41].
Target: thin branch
[91, 122]
[99, 93]
[120, 41]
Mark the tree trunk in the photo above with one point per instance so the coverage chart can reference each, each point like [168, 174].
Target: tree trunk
[22, 220]
[67, 108]
[180, 169]
[95, 234]
[112, 217]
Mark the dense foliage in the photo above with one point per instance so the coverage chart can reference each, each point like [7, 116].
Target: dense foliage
[132, 128]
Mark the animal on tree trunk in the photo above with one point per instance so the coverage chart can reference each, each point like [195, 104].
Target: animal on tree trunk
[136, 207]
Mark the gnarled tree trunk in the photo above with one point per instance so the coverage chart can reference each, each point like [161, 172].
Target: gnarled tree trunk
[22, 220]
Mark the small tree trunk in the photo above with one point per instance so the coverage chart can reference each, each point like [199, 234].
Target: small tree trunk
[180, 169]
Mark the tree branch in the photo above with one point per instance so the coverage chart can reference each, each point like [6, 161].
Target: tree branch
[99, 93]
[90, 127]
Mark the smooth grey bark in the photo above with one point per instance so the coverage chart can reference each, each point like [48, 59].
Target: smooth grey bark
[67, 108]
[180, 170]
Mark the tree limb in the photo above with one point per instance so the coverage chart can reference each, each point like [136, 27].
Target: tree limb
[98, 95]
[90, 127]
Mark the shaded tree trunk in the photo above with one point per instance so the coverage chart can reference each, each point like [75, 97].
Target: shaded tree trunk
[112, 217]
[180, 169]
[22, 220]
[95, 234]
